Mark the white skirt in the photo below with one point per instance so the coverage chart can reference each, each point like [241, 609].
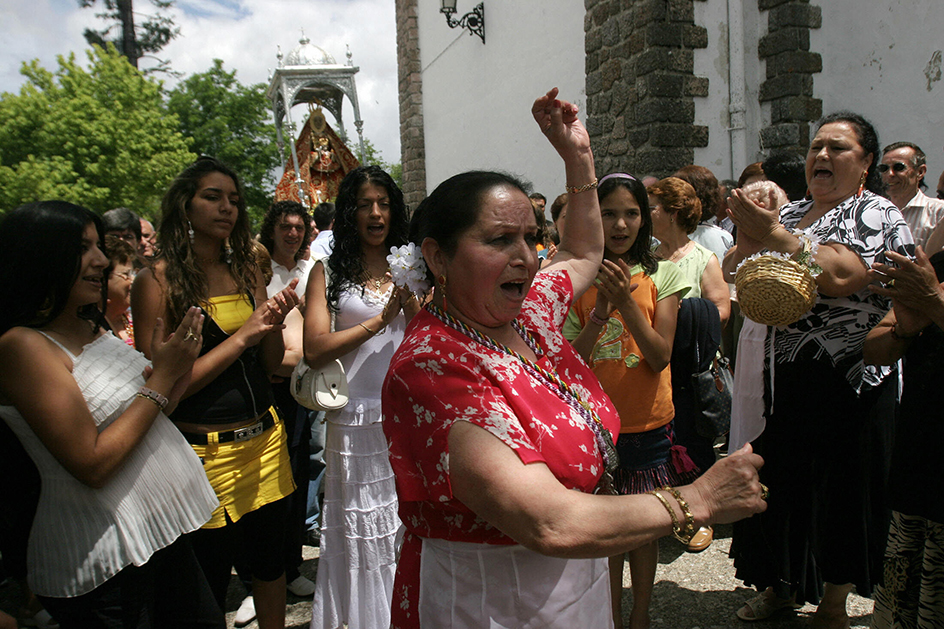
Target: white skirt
[468, 586]
[361, 529]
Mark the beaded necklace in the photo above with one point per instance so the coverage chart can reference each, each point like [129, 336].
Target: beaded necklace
[563, 390]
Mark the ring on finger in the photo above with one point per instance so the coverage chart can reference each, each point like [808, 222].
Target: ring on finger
[764, 491]
[190, 335]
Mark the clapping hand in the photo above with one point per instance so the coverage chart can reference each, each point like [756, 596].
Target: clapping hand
[614, 285]
[175, 355]
[280, 304]
[913, 287]
[752, 220]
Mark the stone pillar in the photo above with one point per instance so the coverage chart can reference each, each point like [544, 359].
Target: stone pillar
[790, 67]
[412, 140]
[641, 84]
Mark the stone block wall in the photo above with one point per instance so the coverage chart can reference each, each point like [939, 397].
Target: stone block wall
[412, 140]
[788, 86]
[641, 84]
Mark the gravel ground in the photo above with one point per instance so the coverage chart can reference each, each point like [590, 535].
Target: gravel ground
[691, 592]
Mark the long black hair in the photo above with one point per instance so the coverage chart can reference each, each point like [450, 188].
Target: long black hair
[346, 263]
[453, 208]
[40, 260]
[641, 250]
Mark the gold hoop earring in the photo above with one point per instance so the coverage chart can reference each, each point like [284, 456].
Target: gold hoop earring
[862, 179]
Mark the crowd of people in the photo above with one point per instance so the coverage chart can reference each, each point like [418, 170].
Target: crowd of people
[514, 434]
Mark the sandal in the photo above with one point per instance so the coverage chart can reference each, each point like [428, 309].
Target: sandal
[762, 606]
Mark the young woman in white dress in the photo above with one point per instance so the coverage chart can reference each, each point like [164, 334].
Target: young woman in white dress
[357, 315]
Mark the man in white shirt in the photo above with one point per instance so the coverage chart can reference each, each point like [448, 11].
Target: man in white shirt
[903, 168]
[324, 220]
[285, 229]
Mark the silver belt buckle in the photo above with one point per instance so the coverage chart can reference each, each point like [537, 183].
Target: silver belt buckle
[248, 432]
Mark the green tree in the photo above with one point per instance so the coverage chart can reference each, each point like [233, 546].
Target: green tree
[233, 123]
[100, 137]
[374, 157]
[150, 36]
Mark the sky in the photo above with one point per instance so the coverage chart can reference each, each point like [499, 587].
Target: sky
[245, 34]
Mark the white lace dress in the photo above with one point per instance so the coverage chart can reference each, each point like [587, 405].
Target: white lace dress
[81, 536]
[357, 564]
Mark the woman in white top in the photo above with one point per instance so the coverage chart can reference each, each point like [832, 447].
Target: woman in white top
[358, 316]
[120, 485]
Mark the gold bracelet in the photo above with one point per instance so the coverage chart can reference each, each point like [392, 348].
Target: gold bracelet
[689, 516]
[369, 331]
[583, 188]
[676, 529]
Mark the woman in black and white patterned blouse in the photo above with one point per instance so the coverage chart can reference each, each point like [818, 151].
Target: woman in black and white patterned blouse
[829, 417]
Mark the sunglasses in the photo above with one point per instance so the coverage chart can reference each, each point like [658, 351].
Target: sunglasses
[898, 167]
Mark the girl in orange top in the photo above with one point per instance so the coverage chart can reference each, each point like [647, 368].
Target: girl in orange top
[624, 327]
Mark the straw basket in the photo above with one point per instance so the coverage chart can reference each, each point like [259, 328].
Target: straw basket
[774, 291]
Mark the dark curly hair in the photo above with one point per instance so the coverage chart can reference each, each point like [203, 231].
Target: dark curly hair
[274, 215]
[346, 262]
[868, 140]
[641, 250]
[40, 260]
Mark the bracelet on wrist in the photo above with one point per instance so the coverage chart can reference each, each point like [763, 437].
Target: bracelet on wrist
[369, 331]
[150, 394]
[597, 319]
[676, 529]
[688, 531]
[584, 188]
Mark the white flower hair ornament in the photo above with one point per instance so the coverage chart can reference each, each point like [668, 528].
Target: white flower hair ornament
[408, 269]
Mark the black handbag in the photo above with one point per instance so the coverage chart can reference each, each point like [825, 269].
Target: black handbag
[712, 389]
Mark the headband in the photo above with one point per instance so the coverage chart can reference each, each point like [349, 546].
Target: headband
[619, 176]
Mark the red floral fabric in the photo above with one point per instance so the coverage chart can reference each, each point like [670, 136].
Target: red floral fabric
[439, 376]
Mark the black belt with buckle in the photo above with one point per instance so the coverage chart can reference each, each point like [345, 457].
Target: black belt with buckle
[240, 434]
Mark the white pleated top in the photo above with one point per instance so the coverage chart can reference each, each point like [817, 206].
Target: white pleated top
[81, 536]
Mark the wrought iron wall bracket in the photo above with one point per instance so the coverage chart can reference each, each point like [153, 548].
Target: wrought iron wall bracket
[473, 21]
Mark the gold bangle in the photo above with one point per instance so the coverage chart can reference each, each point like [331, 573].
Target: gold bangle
[676, 529]
[369, 331]
[686, 537]
[583, 188]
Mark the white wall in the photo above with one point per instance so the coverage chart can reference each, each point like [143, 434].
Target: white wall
[875, 59]
[477, 98]
[713, 62]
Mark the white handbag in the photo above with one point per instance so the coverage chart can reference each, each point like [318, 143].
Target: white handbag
[322, 389]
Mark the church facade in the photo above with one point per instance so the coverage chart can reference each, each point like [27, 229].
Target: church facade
[661, 83]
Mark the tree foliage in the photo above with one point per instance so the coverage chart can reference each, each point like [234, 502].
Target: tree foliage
[133, 41]
[100, 137]
[233, 123]
[374, 157]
